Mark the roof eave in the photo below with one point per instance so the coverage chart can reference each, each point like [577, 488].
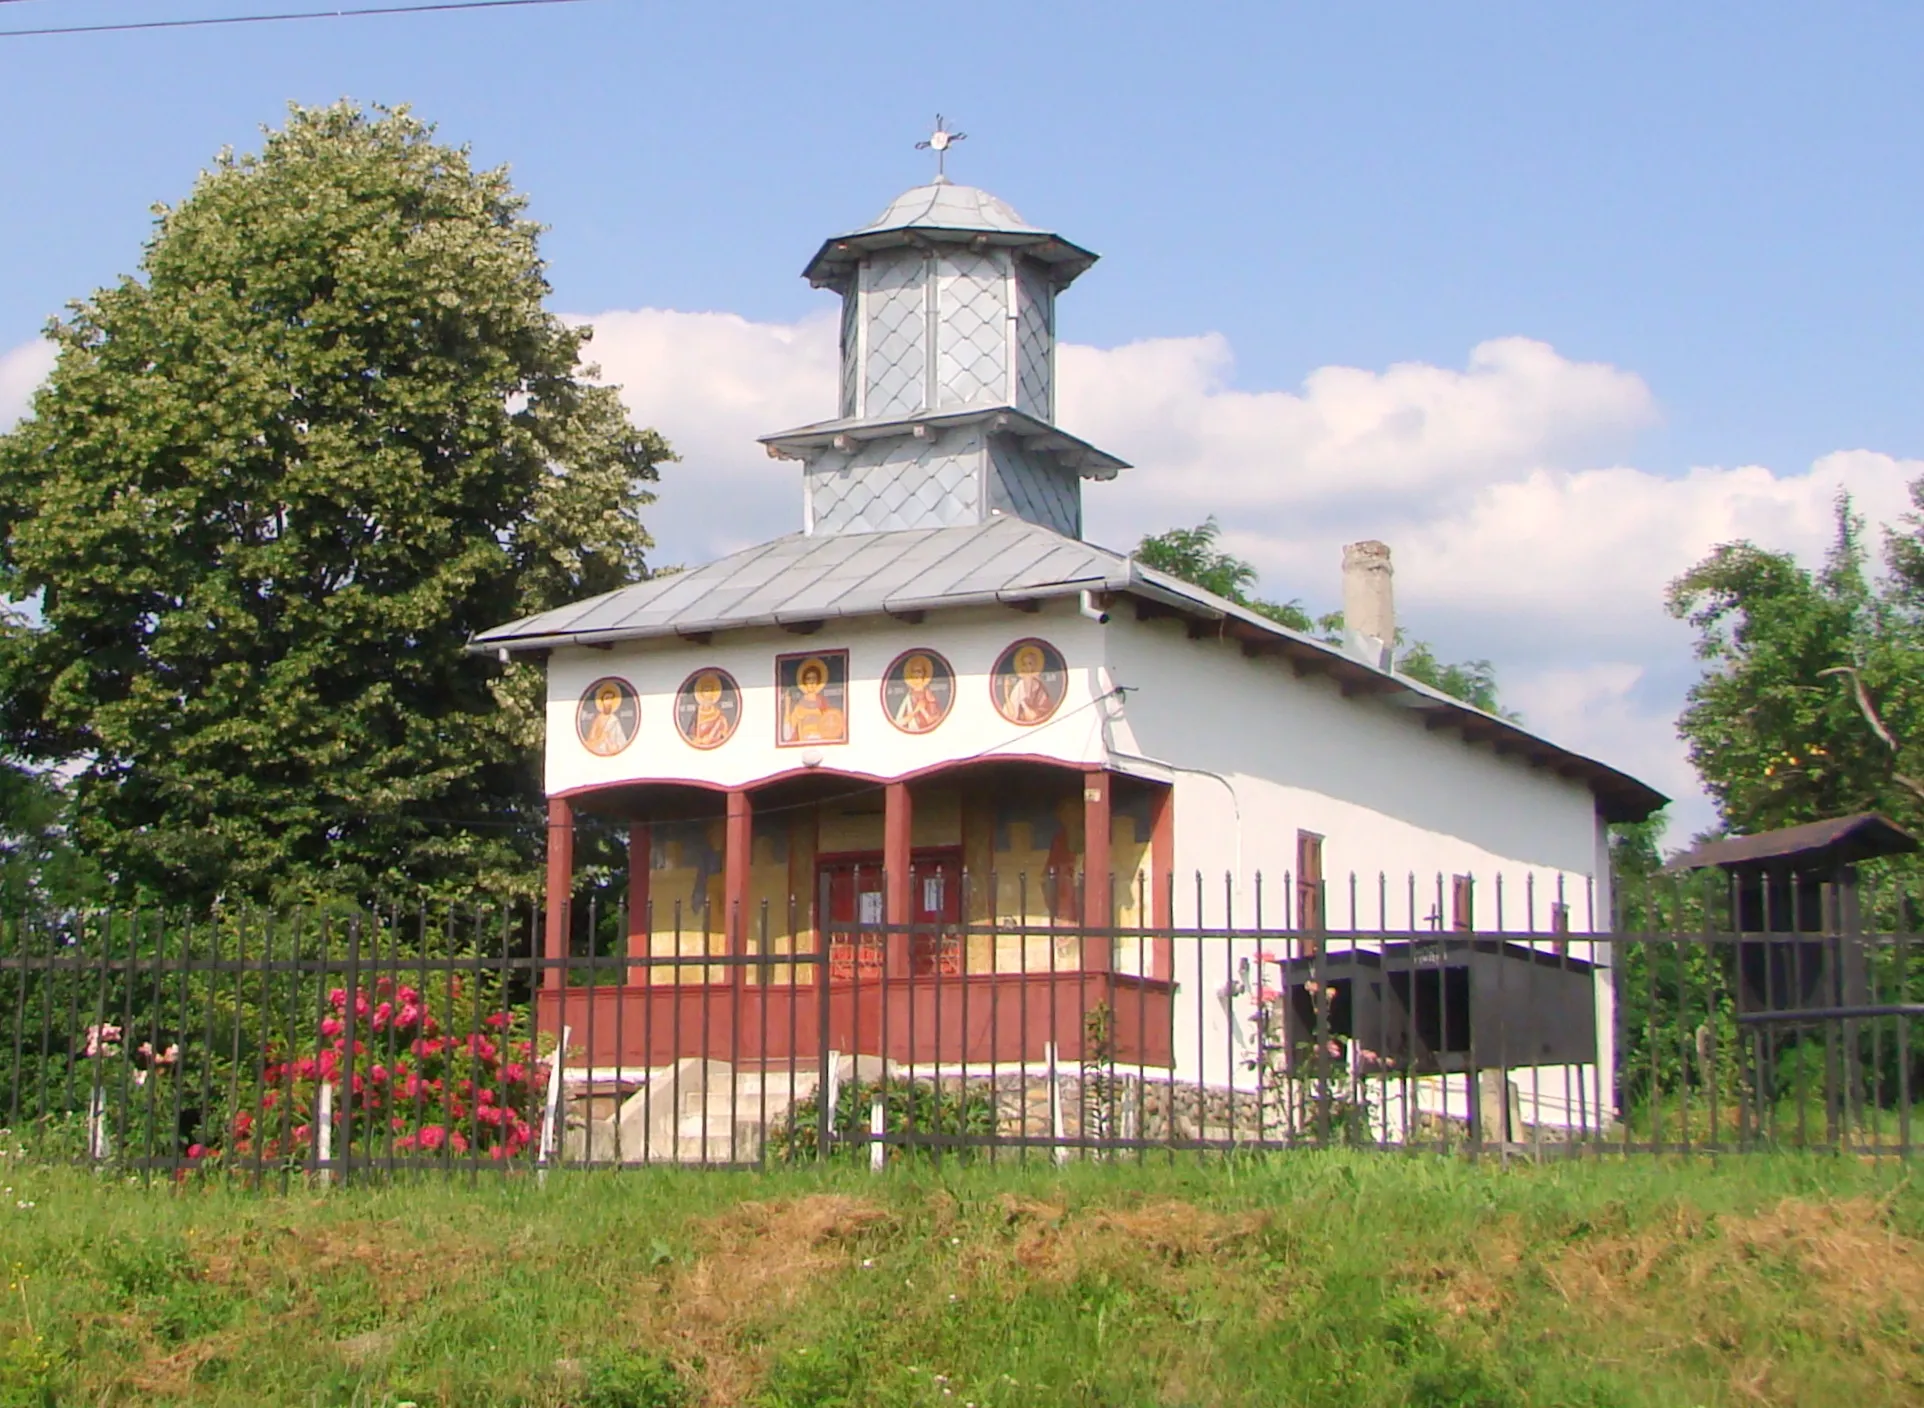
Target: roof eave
[830, 266]
[1076, 453]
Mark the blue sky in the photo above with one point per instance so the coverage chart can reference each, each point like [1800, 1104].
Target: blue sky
[1702, 220]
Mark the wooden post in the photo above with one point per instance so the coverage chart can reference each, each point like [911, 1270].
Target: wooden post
[897, 859]
[1162, 872]
[561, 882]
[641, 935]
[737, 855]
[1097, 913]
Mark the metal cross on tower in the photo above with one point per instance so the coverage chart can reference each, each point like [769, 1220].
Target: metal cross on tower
[939, 142]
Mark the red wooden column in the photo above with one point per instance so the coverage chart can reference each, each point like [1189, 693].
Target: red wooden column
[1097, 890]
[736, 854]
[561, 884]
[640, 927]
[898, 816]
[1162, 875]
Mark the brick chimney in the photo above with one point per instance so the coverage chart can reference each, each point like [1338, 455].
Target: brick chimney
[1369, 603]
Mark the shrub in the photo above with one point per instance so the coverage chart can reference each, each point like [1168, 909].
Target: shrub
[408, 1086]
[910, 1107]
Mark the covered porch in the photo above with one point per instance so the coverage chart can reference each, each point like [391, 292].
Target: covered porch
[941, 921]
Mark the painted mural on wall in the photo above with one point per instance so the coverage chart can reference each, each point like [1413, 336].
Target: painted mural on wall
[811, 690]
[1029, 681]
[608, 716]
[918, 690]
[708, 708]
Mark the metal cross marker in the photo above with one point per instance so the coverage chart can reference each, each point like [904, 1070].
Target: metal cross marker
[939, 142]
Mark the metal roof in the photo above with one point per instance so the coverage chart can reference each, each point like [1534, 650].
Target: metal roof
[1815, 845]
[1075, 454]
[800, 581]
[944, 209]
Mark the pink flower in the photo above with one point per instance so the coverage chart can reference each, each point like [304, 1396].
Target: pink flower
[378, 1074]
[498, 1152]
[196, 1151]
[432, 1136]
[459, 1141]
[337, 998]
[383, 1015]
[332, 1026]
[1268, 994]
[495, 1019]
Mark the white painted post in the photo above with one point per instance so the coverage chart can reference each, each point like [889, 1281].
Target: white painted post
[832, 1097]
[1057, 1129]
[324, 1133]
[551, 1108]
[877, 1150]
[98, 1149]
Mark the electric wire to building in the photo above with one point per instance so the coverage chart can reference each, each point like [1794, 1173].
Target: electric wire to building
[127, 26]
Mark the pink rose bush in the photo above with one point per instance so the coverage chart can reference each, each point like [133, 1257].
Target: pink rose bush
[410, 1084]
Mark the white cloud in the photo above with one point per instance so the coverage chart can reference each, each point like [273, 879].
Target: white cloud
[22, 369]
[711, 383]
[1411, 429]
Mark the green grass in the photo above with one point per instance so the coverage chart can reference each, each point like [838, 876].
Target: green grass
[1314, 1279]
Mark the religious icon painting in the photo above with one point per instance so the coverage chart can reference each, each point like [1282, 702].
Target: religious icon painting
[1029, 681]
[708, 706]
[918, 690]
[608, 716]
[811, 698]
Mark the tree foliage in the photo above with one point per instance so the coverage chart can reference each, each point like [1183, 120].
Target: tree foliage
[272, 486]
[1811, 703]
[1195, 556]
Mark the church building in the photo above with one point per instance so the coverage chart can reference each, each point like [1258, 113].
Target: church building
[1001, 765]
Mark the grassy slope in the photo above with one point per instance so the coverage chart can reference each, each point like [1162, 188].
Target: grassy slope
[1315, 1279]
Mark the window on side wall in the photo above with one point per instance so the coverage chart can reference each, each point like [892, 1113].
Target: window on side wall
[1310, 914]
[1463, 904]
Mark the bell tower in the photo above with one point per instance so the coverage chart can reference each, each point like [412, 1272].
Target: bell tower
[947, 413]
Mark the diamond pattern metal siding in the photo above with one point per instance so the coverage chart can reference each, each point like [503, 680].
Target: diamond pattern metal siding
[1037, 493]
[1035, 336]
[886, 485]
[851, 351]
[972, 330]
[897, 335]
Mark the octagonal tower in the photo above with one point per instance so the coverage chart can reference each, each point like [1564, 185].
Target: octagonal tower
[947, 413]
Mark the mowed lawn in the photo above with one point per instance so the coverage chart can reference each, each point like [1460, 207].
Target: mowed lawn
[1312, 1279]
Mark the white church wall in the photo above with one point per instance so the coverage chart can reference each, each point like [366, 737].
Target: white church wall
[1258, 754]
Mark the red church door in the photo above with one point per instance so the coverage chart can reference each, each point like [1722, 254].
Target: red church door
[853, 888]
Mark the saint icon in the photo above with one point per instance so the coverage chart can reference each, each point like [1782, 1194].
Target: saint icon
[607, 717]
[708, 706]
[1029, 681]
[918, 691]
[812, 698]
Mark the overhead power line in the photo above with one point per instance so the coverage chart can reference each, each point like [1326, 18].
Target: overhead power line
[339, 14]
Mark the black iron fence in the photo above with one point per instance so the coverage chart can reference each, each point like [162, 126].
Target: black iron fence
[988, 1024]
